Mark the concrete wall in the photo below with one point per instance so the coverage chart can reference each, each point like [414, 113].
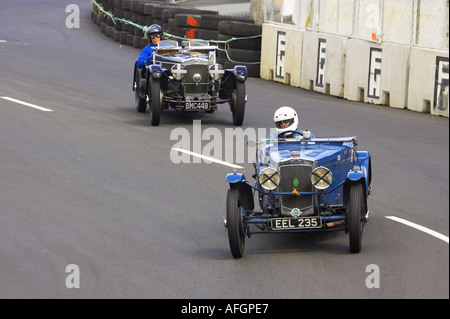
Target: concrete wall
[281, 54]
[323, 65]
[428, 83]
[398, 76]
[377, 73]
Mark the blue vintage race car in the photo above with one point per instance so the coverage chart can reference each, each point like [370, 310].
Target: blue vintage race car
[302, 184]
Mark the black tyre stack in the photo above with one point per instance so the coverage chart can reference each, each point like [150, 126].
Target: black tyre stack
[180, 26]
[191, 26]
[184, 23]
[244, 51]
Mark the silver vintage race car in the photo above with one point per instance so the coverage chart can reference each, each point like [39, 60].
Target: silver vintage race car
[188, 78]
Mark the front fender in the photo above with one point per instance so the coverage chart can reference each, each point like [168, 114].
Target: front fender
[238, 181]
[240, 72]
[355, 175]
[366, 165]
[156, 70]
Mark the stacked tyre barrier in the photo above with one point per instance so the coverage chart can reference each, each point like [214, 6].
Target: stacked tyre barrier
[126, 21]
[246, 50]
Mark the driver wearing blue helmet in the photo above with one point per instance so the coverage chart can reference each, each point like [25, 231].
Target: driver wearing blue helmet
[155, 34]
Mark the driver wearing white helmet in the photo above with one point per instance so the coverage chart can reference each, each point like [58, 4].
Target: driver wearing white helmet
[286, 123]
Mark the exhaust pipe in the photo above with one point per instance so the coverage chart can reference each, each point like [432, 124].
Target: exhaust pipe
[336, 223]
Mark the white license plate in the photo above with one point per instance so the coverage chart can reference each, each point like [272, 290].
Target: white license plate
[296, 223]
[197, 105]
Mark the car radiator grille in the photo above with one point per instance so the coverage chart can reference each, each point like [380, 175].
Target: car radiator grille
[289, 175]
[191, 87]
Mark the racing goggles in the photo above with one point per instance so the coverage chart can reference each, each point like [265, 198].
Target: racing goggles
[155, 35]
[284, 123]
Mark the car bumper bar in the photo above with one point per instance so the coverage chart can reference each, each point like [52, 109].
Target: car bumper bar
[263, 224]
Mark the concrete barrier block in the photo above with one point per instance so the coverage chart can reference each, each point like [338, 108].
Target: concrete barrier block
[394, 75]
[362, 80]
[428, 81]
[281, 54]
[377, 73]
[323, 63]
[268, 51]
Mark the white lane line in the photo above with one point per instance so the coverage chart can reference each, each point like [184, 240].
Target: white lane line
[421, 228]
[207, 158]
[26, 104]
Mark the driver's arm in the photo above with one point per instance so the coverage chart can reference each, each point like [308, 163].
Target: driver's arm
[145, 57]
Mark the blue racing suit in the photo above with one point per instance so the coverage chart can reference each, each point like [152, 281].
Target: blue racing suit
[145, 57]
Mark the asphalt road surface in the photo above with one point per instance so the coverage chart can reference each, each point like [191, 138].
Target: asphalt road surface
[91, 184]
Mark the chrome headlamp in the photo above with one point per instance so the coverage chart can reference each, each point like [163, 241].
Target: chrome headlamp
[269, 178]
[321, 177]
[216, 71]
[178, 71]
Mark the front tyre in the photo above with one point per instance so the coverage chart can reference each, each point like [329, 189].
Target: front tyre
[236, 235]
[238, 104]
[356, 219]
[155, 105]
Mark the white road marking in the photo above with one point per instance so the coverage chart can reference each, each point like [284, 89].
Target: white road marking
[26, 104]
[211, 159]
[421, 228]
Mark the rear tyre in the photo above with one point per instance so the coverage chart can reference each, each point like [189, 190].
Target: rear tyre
[155, 104]
[139, 86]
[236, 235]
[141, 104]
[356, 213]
[238, 104]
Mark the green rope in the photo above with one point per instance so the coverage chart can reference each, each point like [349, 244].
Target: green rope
[145, 29]
[114, 19]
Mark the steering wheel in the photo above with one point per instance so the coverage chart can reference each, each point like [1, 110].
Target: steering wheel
[283, 134]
